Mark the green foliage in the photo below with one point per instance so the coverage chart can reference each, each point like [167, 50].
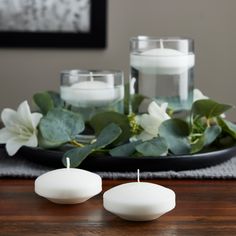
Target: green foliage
[208, 108]
[124, 150]
[228, 127]
[206, 138]
[48, 100]
[176, 134]
[43, 101]
[77, 155]
[106, 137]
[59, 126]
[203, 129]
[56, 98]
[101, 120]
[153, 147]
[136, 100]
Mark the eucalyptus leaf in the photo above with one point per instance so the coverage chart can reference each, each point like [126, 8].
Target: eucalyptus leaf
[43, 101]
[226, 141]
[208, 137]
[56, 98]
[101, 120]
[108, 135]
[77, 155]
[136, 100]
[198, 144]
[124, 150]
[153, 147]
[176, 132]
[60, 126]
[208, 108]
[47, 144]
[211, 133]
[228, 127]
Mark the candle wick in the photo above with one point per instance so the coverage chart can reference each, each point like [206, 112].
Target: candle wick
[68, 163]
[91, 76]
[161, 44]
[138, 179]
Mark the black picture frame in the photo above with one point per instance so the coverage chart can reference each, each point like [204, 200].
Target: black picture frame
[96, 38]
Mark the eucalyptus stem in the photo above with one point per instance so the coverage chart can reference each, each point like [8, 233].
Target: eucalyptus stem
[102, 150]
[77, 144]
[196, 135]
[208, 121]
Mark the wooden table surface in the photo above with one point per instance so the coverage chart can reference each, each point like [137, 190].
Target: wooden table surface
[203, 207]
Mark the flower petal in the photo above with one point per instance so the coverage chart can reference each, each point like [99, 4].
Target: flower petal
[24, 114]
[144, 136]
[150, 124]
[164, 106]
[13, 145]
[32, 142]
[36, 117]
[5, 135]
[198, 95]
[8, 116]
[157, 111]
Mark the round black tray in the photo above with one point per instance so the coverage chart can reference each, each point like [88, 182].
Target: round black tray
[53, 158]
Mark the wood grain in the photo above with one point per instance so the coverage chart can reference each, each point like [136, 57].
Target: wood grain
[203, 208]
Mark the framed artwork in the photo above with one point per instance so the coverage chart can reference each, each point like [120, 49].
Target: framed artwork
[53, 23]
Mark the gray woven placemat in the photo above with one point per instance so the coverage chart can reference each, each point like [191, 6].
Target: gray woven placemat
[20, 167]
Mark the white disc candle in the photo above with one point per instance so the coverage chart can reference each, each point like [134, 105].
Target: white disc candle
[68, 185]
[139, 201]
[162, 61]
[95, 90]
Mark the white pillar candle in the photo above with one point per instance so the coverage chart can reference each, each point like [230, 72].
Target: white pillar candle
[68, 185]
[92, 93]
[139, 201]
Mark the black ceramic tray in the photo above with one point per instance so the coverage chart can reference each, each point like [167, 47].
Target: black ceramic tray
[52, 158]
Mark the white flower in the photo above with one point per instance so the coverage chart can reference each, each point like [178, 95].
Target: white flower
[20, 128]
[198, 95]
[151, 122]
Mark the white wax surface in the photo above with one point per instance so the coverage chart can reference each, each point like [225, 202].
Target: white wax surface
[162, 61]
[139, 201]
[68, 186]
[91, 93]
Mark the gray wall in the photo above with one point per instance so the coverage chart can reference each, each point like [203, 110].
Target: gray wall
[211, 23]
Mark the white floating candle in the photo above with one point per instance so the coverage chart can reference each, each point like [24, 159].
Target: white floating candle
[68, 185]
[139, 201]
[162, 61]
[92, 92]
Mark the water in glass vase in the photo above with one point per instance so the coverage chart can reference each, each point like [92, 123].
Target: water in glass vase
[90, 102]
[165, 78]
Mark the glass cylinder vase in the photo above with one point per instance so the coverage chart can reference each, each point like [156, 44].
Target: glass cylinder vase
[91, 91]
[164, 70]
